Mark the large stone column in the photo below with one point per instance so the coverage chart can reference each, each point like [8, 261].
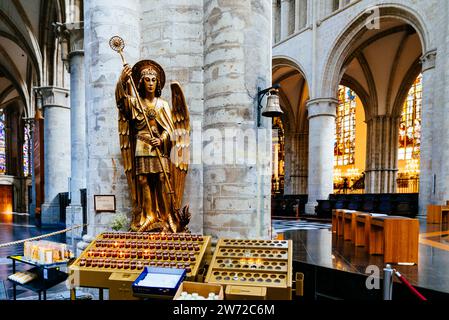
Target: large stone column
[382, 154]
[179, 48]
[104, 175]
[296, 162]
[77, 125]
[237, 61]
[426, 195]
[55, 102]
[321, 115]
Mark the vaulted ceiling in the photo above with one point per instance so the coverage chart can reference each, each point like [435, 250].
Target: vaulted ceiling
[292, 95]
[382, 66]
[25, 26]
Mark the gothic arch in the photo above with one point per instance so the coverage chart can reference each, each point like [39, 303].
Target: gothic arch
[293, 94]
[354, 85]
[279, 61]
[344, 44]
[294, 119]
[410, 77]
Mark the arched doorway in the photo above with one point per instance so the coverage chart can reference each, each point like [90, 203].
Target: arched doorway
[290, 131]
[379, 64]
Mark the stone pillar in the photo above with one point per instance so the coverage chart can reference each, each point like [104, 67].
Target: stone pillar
[179, 48]
[56, 150]
[105, 175]
[382, 154]
[426, 195]
[321, 115]
[296, 162]
[74, 212]
[237, 61]
[285, 14]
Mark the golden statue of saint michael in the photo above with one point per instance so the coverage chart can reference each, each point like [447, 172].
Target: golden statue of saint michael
[154, 142]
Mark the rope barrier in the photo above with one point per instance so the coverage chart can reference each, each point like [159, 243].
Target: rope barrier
[409, 286]
[8, 244]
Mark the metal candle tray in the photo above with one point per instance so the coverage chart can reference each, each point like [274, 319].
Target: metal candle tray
[260, 263]
[114, 256]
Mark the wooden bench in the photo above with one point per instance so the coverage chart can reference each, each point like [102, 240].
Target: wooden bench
[437, 214]
[349, 224]
[363, 227]
[334, 220]
[394, 237]
[339, 222]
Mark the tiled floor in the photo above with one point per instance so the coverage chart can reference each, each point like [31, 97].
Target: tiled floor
[290, 225]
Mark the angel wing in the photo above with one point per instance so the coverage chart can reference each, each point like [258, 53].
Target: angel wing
[180, 155]
[127, 149]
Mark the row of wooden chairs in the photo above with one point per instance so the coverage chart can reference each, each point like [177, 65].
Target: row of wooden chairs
[394, 237]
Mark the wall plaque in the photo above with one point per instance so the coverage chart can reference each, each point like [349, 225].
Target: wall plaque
[104, 203]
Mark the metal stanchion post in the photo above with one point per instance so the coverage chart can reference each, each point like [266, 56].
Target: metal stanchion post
[388, 282]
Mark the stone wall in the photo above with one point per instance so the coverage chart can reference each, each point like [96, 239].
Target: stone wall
[219, 51]
[237, 62]
[104, 19]
[172, 34]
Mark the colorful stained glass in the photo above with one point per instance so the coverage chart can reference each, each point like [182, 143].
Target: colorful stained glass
[344, 148]
[26, 152]
[410, 125]
[277, 179]
[2, 145]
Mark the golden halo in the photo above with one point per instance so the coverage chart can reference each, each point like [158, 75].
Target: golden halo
[144, 64]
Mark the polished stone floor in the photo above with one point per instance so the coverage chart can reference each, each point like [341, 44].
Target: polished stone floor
[313, 243]
[322, 248]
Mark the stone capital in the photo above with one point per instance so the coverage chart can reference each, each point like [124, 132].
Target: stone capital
[53, 96]
[322, 107]
[75, 32]
[428, 60]
[71, 37]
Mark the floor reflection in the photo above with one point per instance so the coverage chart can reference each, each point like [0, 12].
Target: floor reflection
[321, 247]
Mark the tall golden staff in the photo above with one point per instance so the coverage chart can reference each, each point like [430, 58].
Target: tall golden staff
[118, 44]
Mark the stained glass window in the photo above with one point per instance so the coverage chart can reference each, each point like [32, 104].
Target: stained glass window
[344, 148]
[277, 179]
[410, 125]
[26, 152]
[2, 144]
